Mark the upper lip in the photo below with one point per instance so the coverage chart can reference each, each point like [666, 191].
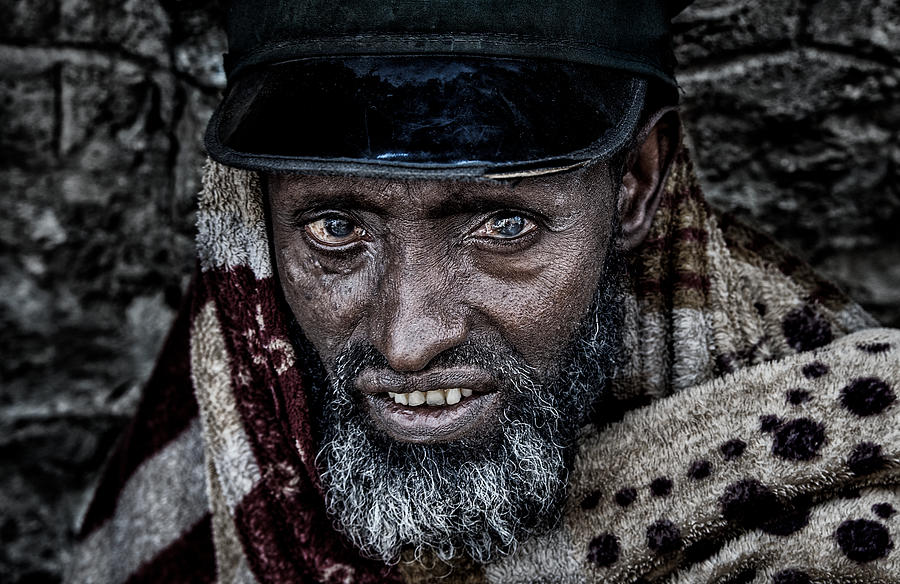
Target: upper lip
[371, 381]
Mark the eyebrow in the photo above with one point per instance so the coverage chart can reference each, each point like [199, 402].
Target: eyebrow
[462, 198]
[472, 196]
[459, 204]
[342, 199]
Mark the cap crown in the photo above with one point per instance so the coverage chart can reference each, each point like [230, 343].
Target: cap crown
[633, 35]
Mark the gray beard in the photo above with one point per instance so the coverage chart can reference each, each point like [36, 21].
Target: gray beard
[478, 499]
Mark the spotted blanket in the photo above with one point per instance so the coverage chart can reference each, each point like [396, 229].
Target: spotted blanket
[752, 436]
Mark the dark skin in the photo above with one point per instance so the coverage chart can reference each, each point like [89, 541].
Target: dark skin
[414, 268]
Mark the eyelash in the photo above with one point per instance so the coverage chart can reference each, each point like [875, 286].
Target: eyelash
[532, 230]
[303, 223]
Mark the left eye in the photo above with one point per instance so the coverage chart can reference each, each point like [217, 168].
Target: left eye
[506, 227]
[334, 231]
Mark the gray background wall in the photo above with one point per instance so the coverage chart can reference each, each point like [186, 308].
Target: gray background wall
[792, 109]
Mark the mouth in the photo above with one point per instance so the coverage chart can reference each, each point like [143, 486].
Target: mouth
[435, 397]
[431, 408]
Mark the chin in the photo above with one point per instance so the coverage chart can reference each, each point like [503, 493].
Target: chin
[476, 496]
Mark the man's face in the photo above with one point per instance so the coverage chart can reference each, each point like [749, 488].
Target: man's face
[457, 323]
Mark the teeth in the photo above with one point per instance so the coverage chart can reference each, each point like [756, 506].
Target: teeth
[435, 397]
[399, 398]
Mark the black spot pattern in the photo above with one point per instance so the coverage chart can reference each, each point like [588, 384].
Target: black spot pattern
[791, 577]
[849, 493]
[724, 364]
[866, 458]
[862, 540]
[749, 503]
[815, 370]
[733, 448]
[603, 550]
[883, 510]
[798, 439]
[661, 486]
[591, 500]
[761, 308]
[874, 348]
[625, 497]
[867, 396]
[797, 396]
[699, 470]
[701, 550]
[805, 329]
[789, 519]
[769, 423]
[663, 537]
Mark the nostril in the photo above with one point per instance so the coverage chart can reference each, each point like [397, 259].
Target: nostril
[409, 342]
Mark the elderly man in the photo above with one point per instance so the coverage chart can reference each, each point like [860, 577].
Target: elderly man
[462, 315]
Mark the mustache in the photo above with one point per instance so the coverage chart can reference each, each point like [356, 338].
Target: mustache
[495, 357]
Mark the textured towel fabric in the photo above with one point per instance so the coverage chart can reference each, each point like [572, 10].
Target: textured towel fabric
[752, 437]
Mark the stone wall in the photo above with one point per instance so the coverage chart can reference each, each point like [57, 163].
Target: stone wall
[793, 111]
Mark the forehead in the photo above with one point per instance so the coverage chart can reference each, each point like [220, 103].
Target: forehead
[552, 194]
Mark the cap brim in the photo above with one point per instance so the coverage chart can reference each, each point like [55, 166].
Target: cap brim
[423, 116]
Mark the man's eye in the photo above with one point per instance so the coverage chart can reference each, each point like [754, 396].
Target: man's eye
[506, 227]
[334, 232]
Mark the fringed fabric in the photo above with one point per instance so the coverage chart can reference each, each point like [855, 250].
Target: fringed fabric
[721, 450]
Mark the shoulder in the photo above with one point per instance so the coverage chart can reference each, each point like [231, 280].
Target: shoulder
[750, 471]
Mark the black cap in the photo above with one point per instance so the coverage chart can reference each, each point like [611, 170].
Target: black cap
[463, 89]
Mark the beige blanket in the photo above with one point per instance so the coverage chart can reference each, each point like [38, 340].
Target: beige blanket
[752, 436]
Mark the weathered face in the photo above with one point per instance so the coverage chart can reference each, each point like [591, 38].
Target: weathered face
[446, 315]
[417, 268]
[466, 330]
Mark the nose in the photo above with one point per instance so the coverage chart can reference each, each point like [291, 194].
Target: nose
[418, 313]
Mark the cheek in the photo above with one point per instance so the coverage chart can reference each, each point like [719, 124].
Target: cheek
[538, 304]
[328, 300]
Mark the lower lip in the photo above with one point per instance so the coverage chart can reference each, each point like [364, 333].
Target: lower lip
[427, 424]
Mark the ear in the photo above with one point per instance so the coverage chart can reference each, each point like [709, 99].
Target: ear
[645, 173]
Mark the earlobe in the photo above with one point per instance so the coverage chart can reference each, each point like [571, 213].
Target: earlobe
[645, 173]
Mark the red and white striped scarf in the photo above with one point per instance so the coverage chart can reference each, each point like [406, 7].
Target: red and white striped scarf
[215, 479]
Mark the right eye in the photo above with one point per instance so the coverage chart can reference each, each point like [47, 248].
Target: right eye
[334, 231]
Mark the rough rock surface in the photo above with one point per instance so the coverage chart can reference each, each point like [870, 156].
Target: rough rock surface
[792, 107]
